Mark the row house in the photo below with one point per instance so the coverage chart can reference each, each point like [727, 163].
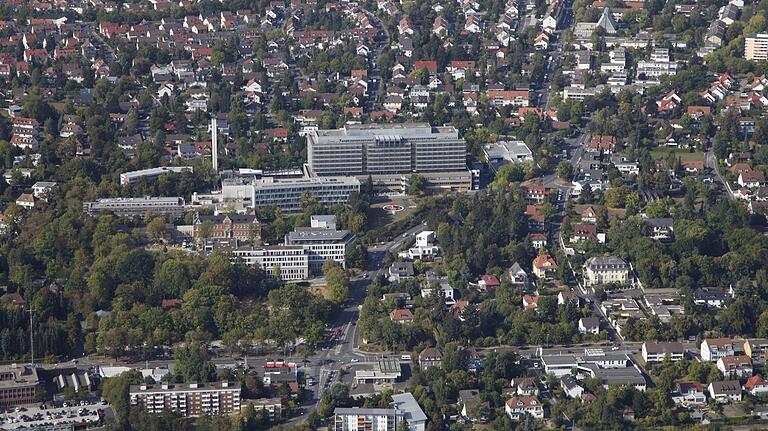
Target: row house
[509, 97]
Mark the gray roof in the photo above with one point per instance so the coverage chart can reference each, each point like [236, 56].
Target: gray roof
[467, 395]
[660, 222]
[605, 261]
[730, 387]
[590, 322]
[569, 381]
[620, 376]
[408, 404]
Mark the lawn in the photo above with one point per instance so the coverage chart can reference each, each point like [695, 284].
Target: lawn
[684, 154]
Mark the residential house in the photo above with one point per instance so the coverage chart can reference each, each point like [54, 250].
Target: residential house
[430, 357]
[689, 394]
[712, 298]
[756, 385]
[725, 392]
[544, 264]
[517, 408]
[712, 349]
[659, 351]
[401, 315]
[660, 229]
[739, 366]
[589, 325]
[751, 179]
[26, 200]
[488, 283]
[517, 276]
[605, 270]
[589, 215]
[473, 407]
[530, 302]
[400, 271]
[567, 297]
[571, 386]
[525, 386]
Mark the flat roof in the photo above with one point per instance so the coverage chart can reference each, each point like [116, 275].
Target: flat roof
[362, 411]
[317, 234]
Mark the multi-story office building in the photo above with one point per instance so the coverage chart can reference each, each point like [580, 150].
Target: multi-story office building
[293, 260]
[256, 189]
[136, 207]
[357, 419]
[756, 47]
[391, 153]
[17, 385]
[286, 193]
[242, 227]
[193, 399]
[131, 177]
[322, 244]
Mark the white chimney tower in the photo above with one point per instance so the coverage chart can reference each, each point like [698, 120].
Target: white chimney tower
[214, 145]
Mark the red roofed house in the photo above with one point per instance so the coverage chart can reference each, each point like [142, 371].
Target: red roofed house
[536, 219]
[530, 302]
[669, 102]
[692, 165]
[605, 143]
[543, 264]
[488, 283]
[401, 315]
[756, 385]
[583, 232]
[430, 65]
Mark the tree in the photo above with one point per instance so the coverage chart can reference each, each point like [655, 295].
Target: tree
[416, 185]
[193, 363]
[156, 228]
[564, 170]
[337, 280]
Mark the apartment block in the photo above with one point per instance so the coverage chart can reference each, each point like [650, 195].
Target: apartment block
[359, 419]
[658, 351]
[757, 349]
[713, 349]
[756, 47]
[193, 399]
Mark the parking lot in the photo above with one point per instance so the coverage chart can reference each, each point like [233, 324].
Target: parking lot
[52, 418]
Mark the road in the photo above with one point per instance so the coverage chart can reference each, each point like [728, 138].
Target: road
[556, 52]
[710, 162]
[325, 365]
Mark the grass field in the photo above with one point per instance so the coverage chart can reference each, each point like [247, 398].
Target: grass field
[684, 154]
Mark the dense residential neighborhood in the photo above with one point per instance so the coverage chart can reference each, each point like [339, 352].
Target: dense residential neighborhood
[383, 215]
